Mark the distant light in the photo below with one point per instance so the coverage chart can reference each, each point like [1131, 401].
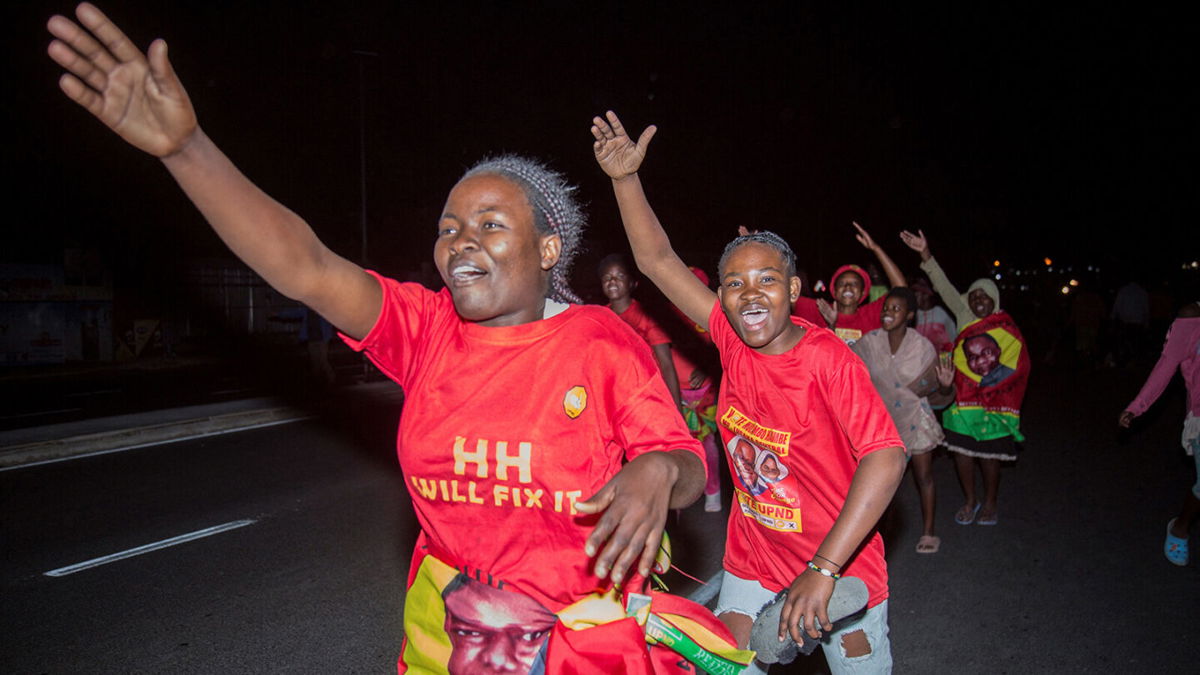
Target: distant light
[1024, 287]
[1050, 269]
[997, 276]
[995, 263]
[1195, 264]
[1066, 289]
[1048, 261]
[1074, 282]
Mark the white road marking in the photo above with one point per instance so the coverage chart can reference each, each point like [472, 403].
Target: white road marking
[708, 591]
[165, 543]
[154, 443]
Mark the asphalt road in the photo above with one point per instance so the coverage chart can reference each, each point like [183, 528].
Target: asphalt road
[1072, 580]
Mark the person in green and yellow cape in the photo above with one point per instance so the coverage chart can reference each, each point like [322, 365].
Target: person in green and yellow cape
[992, 363]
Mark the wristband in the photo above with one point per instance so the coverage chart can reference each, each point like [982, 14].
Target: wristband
[822, 571]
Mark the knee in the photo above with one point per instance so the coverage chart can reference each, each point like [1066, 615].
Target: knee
[856, 644]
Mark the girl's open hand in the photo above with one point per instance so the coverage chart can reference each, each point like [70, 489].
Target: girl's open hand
[615, 151]
[138, 96]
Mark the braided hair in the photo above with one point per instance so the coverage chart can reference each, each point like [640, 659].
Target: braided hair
[555, 211]
[767, 238]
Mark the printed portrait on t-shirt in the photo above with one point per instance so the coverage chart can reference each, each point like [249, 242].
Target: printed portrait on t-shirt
[770, 468]
[743, 456]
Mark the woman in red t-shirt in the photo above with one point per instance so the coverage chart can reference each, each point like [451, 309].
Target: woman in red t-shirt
[541, 493]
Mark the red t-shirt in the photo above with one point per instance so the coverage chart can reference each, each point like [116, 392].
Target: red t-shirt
[643, 325]
[806, 308]
[795, 426]
[505, 428]
[850, 327]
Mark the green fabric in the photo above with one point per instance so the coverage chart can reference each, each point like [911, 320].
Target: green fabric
[982, 425]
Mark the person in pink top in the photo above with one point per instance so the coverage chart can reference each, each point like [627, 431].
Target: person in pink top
[1182, 349]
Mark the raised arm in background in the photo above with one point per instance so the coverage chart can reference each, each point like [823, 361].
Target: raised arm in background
[941, 283]
[895, 277]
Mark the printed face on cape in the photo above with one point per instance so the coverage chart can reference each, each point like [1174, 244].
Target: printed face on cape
[988, 358]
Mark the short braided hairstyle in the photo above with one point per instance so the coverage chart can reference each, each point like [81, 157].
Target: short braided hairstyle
[555, 211]
[767, 238]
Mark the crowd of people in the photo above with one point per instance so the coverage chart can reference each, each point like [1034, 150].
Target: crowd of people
[540, 433]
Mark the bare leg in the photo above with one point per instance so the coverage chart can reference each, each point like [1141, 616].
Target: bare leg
[922, 466]
[990, 468]
[965, 466]
[1183, 522]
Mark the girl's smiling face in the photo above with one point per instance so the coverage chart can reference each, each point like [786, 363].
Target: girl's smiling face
[756, 295]
[895, 313]
[616, 282]
[848, 289]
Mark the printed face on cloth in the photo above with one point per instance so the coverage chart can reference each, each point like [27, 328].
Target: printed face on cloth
[493, 631]
[616, 282]
[770, 469]
[756, 296]
[490, 254]
[983, 354]
[744, 459]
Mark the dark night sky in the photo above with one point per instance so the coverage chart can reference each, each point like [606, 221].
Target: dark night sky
[1011, 133]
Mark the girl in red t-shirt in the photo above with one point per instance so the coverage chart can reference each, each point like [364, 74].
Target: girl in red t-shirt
[827, 458]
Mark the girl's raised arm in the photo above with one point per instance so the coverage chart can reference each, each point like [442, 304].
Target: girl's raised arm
[141, 99]
[620, 158]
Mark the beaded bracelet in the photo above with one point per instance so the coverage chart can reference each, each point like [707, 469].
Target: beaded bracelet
[822, 571]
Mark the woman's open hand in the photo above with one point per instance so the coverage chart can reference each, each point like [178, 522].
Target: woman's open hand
[138, 96]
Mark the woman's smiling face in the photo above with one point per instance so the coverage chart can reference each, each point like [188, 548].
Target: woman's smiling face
[490, 254]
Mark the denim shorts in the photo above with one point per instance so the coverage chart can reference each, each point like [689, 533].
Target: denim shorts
[745, 596]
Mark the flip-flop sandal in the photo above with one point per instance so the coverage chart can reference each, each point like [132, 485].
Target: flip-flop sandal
[849, 597]
[967, 520]
[1175, 548]
[928, 544]
[989, 520]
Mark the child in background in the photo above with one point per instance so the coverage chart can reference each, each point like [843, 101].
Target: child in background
[792, 389]
[617, 282]
[911, 380]
[690, 387]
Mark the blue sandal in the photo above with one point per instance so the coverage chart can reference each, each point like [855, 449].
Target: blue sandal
[1175, 548]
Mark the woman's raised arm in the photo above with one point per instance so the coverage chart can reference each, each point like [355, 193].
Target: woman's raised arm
[141, 99]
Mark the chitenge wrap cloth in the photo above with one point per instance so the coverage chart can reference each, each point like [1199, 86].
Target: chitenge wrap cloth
[611, 631]
[988, 406]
